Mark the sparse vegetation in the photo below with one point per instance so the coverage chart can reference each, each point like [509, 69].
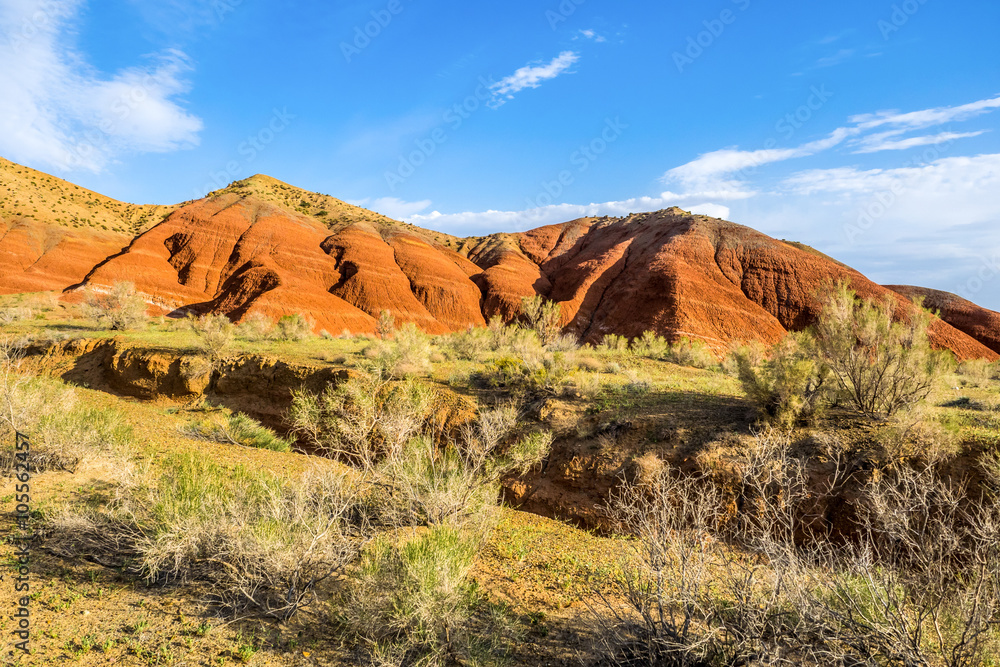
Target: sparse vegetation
[119, 308]
[544, 317]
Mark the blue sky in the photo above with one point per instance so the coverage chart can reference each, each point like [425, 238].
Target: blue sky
[864, 128]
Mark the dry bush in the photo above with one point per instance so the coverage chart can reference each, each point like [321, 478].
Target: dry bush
[408, 354]
[882, 366]
[692, 353]
[363, 420]
[385, 326]
[63, 434]
[917, 584]
[586, 385]
[787, 387]
[258, 542]
[15, 314]
[215, 334]
[294, 328]
[412, 603]
[119, 308]
[978, 371]
[471, 344]
[613, 344]
[256, 327]
[650, 345]
[754, 352]
[501, 334]
[543, 317]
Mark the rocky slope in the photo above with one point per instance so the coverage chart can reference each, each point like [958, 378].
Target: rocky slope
[978, 322]
[263, 245]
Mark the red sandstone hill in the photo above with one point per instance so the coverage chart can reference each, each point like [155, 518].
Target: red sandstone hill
[262, 245]
[978, 322]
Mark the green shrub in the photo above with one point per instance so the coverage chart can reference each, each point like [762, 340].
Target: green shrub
[295, 327]
[881, 365]
[787, 387]
[693, 353]
[238, 429]
[650, 345]
[543, 317]
[256, 327]
[614, 344]
[119, 308]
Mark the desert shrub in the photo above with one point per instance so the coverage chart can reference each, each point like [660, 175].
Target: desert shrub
[586, 385]
[385, 325]
[257, 541]
[543, 317]
[977, 370]
[882, 366]
[237, 429]
[413, 603]
[787, 387]
[457, 482]
[15, 314]
[364, 419]
[918, 583]
[564, 343]
[407, 354]
[63, 433]
[693, 353]
[295, 327]
[215, 334]
[650, 345]
[256, 327]
[613, 344]
[119, 308]
[471, 344]
[501, 334]
[529, 375]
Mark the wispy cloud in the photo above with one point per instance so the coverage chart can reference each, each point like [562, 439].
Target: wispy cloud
[882, 142]
[917, 120]
[719, 171]
[393, 206]
[57, 111]
[484, 222]
[591, 34]
[532, 76]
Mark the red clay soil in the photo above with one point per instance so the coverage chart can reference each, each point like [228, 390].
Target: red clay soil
[237, 255]
[670, 271]
[40, 257]
[980, 323]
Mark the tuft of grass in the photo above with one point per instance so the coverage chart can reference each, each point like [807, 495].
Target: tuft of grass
[238, 429]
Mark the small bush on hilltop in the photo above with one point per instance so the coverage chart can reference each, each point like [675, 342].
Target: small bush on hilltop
[120, 308]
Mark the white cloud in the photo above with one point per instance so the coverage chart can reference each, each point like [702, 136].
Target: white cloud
[945, 178]
[591, 34]
[882, 142]
[486, 222]
[916, 120]
[58, 111]
[393, 206]
[724, 171]
[712, 171]
[532, 76]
